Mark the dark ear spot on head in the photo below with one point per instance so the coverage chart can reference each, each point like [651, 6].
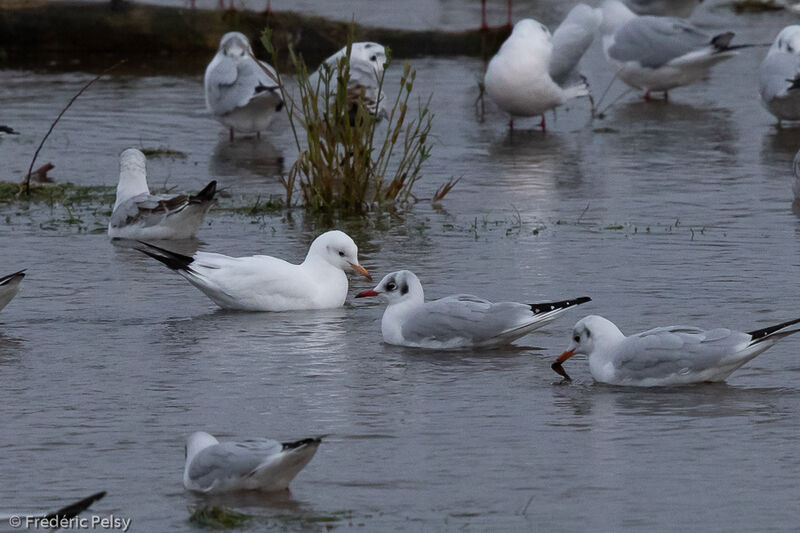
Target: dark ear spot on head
[404, 289]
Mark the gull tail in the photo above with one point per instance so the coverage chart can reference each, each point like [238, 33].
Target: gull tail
[549, 307]
[576, 91]
[206, 195]
[16, 276]
[173, 260]
[73, 510]
[722, 43]
[773, 332]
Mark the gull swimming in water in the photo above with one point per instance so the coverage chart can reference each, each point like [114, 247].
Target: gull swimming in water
[239, 93]
[779, 75]
[268, 465]
[659, 53]
[9, 286]
[137, 214]
[264, 283]
[518, 77]
[367, 62]
[455, 321]
[672, 355]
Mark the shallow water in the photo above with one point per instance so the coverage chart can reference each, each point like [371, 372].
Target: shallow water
[663, 213]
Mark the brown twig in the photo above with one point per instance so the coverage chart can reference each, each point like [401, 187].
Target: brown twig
[53, 125]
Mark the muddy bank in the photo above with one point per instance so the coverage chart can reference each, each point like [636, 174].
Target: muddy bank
[82, 35]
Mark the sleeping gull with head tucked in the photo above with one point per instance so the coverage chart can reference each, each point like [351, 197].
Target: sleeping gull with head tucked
[265, 283]
[267, 465]
[239, 93]
[660, 53]
[672, 355]
[779, 75]
[137, 214]
[455, 321]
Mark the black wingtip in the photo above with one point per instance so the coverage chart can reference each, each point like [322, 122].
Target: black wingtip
[206, 195]
[73, 510]
[764, 333]
[722, 41]
[795, 83]
[173, 260]
[313, 441]
[547, 307]
[6, 279]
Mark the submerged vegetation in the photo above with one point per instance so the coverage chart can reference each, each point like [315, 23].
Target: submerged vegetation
[218, 518]
[346, 162]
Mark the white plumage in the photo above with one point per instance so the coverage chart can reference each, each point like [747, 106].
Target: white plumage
[9, 286]
[367, 61]
[779, 75]
[138, 214]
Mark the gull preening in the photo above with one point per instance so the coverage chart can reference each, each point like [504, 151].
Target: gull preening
[239, 93]
[268, 465]
[659, 53]
[367, 62]
[779, 75]
[9, 286]
[570, 41]
[672, 355]
[456, 321]
[664, 8]
[137, 214]
[265, 283]
[518, 78]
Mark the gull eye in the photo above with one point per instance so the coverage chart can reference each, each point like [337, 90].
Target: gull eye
[373, 57]
[341, 253]
[577, 338]
[391, 286]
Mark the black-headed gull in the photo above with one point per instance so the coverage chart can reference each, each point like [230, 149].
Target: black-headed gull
[518, 77]
[455, 321]
[239, 93]
[367, 62]
[570, 41]
[659, 53]
[779, 75]
[664, 8]
[265, 283]
[9, 286]
[138, 214]
[673, 355]
[214, 467]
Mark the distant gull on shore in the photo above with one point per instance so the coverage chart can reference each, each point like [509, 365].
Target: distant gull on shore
[267, 465]
[138, 214]
[672, 355]
[456, 321]
[239, 94]
[9, 286]
[518, 77]
[779, 76]
[264, 283]
[659, 53]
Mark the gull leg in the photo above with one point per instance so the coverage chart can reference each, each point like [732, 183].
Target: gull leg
[511, 124]
[509, 14]
[258, 135]
[647, 96]
[542, 124]
[231, 134]
[666, 96]
[484, 26]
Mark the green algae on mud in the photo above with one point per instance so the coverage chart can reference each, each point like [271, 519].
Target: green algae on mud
[62, 193]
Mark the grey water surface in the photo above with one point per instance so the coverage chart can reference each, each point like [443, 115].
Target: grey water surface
[663, 213]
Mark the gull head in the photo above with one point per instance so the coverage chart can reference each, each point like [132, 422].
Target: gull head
[338, 249]
[788, 40]
[235, 45]
[197, 441]
[397, 287]
[589, 334]
[531, 30]
[372, 53]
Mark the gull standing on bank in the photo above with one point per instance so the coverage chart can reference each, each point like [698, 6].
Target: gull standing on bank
[456, 321]
[779, 75]
[239, 94]
[659, 53]
[137, 214]
[268, 465]
[672, 355]
[265, 283]
[518, 78]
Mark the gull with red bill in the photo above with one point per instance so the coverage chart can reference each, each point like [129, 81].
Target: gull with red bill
[265, 283]
[458, 321]
[672, 355]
